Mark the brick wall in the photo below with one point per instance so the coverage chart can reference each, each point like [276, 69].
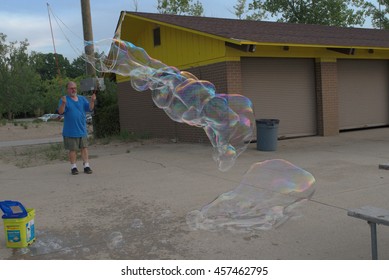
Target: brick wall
[214, 73]
[234, 77]
[139, 114]
[327, 98]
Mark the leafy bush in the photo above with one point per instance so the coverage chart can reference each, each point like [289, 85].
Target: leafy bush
[106, 118]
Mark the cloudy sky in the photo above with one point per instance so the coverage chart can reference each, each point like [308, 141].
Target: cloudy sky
[29, 19]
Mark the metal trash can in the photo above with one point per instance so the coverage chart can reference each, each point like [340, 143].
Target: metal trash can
[267, 134]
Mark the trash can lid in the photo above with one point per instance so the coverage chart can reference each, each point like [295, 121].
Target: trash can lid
[268, 121]
[13, 209]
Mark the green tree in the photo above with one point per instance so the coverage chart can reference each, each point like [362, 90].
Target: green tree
[28, 84]
[47, 65]
[180, 7]
[51, 92]
[240, 8]
[242, 12]
[324, 12]
[77, 68]
[106, 119]
[18, 79]
[379, 13]
[4, 74]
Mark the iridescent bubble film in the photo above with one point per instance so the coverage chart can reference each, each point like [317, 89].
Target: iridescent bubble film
[227, 119]
[266, 198]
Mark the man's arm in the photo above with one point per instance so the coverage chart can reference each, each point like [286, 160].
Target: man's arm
[61, 109]
[92, 102]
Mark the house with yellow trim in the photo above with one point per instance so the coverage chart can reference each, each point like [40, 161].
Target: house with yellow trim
[317, 80]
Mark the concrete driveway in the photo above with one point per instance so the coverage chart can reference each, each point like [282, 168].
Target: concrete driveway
[134, 204]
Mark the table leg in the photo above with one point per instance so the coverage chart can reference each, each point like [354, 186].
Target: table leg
[373, 231]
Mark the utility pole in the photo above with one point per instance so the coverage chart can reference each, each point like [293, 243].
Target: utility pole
[88, 36]
[91, 84]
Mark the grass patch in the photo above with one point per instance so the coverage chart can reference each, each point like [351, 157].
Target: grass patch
[25, 125]
[124, 136]
[127, 136]
[55, 152]
[30, 156]
[43, 154]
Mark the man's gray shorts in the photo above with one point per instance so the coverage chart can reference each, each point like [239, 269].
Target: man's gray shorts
[75, 144]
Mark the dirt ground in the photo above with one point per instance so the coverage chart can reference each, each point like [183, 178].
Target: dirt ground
[41, 154]
[22, 130]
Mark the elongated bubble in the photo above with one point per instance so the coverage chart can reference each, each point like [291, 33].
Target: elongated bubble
[265, 198]
[227, 119]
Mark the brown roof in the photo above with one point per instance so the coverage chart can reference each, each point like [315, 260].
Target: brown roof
[263, 32]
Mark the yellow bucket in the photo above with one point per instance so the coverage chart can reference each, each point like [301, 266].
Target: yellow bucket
[19, 228]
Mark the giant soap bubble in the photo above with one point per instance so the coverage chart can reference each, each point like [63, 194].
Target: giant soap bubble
[227, 119]
[265, 198]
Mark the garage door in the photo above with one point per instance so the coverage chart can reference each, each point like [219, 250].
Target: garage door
[363, 93]
[282, 89]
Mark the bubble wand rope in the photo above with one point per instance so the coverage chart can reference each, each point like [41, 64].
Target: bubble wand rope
[55, 51]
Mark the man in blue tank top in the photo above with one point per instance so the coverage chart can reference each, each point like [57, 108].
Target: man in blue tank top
[75, 134]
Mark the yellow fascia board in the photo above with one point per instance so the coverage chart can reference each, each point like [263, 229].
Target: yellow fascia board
[326, 59]
[243, 42]
[309, 45]
[122, 79]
